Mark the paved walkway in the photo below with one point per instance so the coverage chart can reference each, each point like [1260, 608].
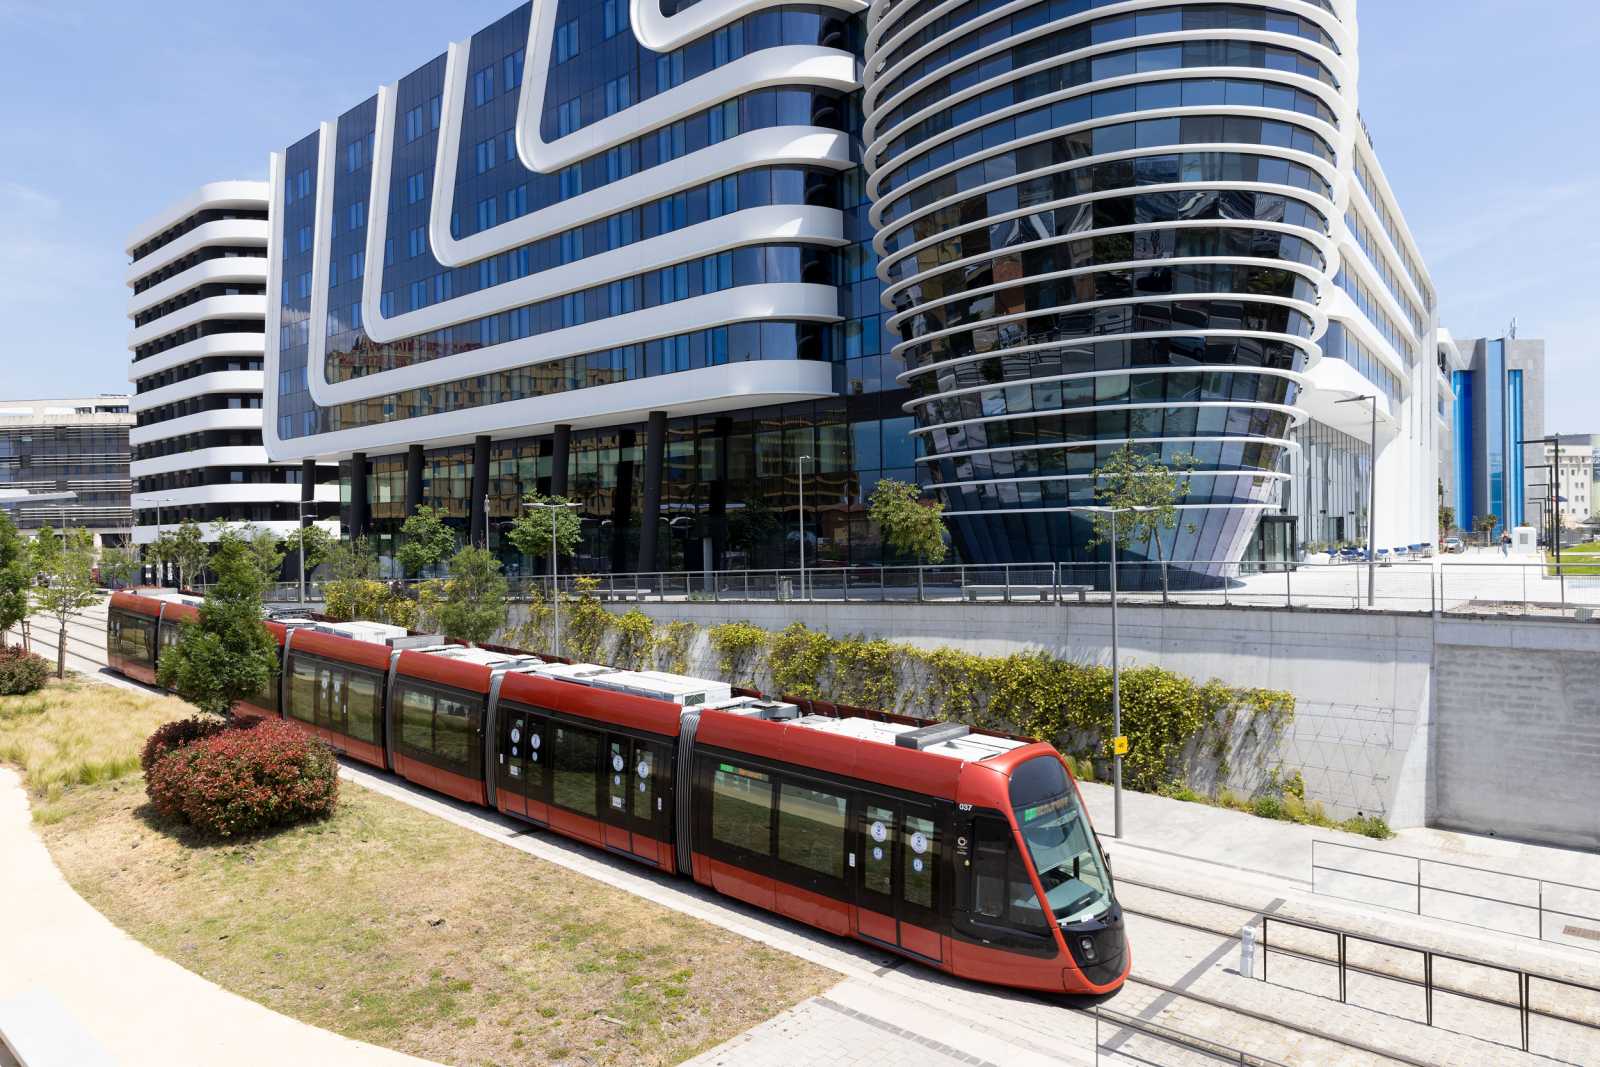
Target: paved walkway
[141, 1008]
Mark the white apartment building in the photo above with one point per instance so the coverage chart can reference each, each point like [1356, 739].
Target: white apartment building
[198, 301]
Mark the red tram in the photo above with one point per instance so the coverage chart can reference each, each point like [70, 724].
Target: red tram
[968, 852]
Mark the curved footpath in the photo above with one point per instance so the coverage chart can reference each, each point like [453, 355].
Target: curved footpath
[63, 963]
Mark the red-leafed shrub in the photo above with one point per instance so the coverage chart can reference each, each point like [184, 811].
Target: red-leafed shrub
[174, 735]
[244, 780]
[21, 671]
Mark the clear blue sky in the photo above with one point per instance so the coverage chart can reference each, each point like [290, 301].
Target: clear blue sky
[1484, 120]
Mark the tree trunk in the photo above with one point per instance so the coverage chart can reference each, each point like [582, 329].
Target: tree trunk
[1161, 559]
[61, 651]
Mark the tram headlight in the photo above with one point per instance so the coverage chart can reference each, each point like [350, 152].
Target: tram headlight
[1086, 944]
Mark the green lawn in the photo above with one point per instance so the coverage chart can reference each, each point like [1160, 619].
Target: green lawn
[1577, 561]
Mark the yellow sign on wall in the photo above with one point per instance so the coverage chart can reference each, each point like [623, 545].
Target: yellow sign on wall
[1119, 745]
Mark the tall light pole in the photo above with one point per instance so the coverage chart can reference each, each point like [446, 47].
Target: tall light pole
[800, 462]
[1552, 441]
[1372, 494]
[301, 518]
[161, 576]
[1116, 679]
[555, 587]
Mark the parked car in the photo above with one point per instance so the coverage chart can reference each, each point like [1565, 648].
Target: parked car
[1453, 545]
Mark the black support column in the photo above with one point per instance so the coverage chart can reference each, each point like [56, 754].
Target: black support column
[719, 492]
[622, 501]
[480, 488]
[655, 451]
[308, 491]
[413, 479]
[559, 453]
[359, 512]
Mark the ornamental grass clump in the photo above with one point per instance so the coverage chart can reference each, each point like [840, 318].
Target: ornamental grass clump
[246, 779]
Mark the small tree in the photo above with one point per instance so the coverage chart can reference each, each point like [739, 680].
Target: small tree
[190, 552]
[120, 565]
[351, 560]
[16, 576]
[1486, 524]
[318, 543]
[425, 540]
[66, 568]
[910, 525]
[163, 552]
[228, 655]
[1145, 492]
[471, 605]
[264, 547]
[1447, 519]
[530, 530]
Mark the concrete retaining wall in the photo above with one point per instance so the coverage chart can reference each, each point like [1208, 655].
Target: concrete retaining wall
[1485, 725]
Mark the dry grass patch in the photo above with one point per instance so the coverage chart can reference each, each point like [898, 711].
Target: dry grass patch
[75, 732]
[391, 926]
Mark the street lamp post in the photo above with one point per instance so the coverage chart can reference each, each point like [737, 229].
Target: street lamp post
[1116, 678]
[555, 576]
[1554, 441]
[800, 462]
[1372, 494]
[301, 515]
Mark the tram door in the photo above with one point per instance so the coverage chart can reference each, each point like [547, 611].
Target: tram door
[634, 805]
[519, 763]
[896, 857]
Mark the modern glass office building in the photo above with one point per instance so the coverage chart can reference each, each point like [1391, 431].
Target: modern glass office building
[682, 261]
[1497, 384]
[74, 450]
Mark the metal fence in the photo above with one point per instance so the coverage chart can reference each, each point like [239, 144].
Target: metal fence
[1477, 896]
[1413, 585]
[1441, 974]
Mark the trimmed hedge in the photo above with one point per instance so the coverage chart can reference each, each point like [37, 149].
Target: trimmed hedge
[21, 672]
[244, 780]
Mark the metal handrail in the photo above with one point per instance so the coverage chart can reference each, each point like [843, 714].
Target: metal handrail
[1525, 1009]
[1417, 883]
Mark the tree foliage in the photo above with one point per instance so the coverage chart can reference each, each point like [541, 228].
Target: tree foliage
[471, 605]
[530, 530]
[350, 560]
[228, 655]
[263, 547]
[16, 575]
[120, 565]
[318, 542]
[910, 525]
[425, 540]
[189, 552]
[1144, 491]
[65, 565]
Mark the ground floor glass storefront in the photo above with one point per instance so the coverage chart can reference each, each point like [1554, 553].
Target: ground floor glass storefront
[1324, 503]
[729, 492]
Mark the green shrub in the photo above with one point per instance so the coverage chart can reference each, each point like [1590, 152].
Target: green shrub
[636, 638]
[672, 647]
[21, 672]
[798, 658]
[737, 645]
[1368, 826]
[1268, 807]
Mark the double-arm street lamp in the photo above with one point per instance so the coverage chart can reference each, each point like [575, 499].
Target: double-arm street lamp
[800, 464]
[555, 584]
[301, 538]
[1372, 493]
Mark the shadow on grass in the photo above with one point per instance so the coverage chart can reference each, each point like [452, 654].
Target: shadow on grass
[178, 829]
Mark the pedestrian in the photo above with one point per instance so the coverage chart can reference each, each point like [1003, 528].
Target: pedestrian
[1505, 544]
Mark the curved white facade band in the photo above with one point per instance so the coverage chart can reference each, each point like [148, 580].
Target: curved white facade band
[1158, 234]
[198, 304]
[413, 259]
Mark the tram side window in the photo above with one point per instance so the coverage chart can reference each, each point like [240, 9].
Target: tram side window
[811, 826]
[361, 702]
[303, 690]
[1002, 891]
[133, 638]
[920, 856]
[416, 720]
[576, 767]
[741, 809]
[266, 698]
[452, 731]
[330, 699]
[170, 632]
